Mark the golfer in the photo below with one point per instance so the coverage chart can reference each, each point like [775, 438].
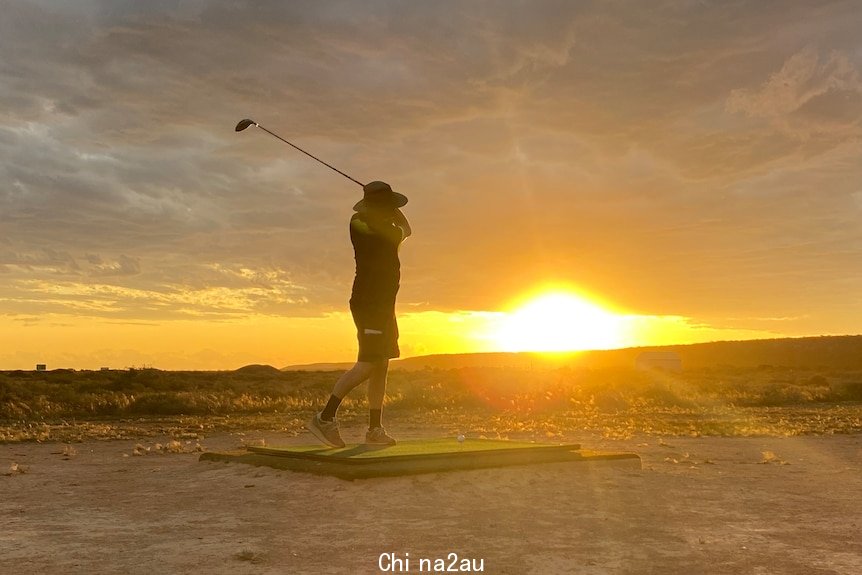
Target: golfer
[376, 230]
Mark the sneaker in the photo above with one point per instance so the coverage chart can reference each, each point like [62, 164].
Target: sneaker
[377, 436]
[325, 431]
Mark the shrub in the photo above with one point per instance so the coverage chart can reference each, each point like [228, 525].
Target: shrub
[846, 391]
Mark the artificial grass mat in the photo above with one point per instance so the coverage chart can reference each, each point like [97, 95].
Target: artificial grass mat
[415, 456]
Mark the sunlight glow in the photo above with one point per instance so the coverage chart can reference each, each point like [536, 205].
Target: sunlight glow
[559, 321]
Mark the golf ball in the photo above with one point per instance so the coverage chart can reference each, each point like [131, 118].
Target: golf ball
[461, 438]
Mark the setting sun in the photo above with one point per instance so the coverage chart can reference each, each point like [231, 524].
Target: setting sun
[559, 321]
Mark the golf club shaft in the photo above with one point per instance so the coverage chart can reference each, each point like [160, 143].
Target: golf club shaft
[309, 155]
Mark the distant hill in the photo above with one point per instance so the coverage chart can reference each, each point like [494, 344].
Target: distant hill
[258, 370]
[836, 352]
[319, 367]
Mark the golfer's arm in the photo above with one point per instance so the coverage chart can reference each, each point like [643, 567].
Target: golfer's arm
[391, 229]
[401, 222]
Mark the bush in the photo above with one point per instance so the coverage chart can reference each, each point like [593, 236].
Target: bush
[846, 391]
[182, 403]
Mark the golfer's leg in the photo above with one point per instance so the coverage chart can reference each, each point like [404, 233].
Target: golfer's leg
[351, 378]
[361, 371]
[376, 391]
[377, 384]
[323, 424]
[376, 435]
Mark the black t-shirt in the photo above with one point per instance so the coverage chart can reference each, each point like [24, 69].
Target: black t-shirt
[378, 269]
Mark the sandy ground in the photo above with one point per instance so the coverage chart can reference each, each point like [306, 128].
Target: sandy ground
[699, 505]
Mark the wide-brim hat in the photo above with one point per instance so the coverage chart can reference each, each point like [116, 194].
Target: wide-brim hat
[379, 193]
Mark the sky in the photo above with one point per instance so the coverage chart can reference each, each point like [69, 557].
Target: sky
[691, 166]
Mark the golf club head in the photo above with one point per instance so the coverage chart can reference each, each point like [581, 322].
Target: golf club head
[243, 124]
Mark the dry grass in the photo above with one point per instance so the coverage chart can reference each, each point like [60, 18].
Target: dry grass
[544, 403]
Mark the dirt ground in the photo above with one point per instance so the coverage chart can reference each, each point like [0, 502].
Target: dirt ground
[698, 505]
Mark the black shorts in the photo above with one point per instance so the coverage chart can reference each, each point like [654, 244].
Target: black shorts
[374, 346]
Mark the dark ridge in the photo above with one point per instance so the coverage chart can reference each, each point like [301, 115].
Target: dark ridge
[258, 369]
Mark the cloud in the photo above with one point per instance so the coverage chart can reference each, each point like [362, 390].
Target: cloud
[45, 260]
[670, 155]
[124, 266]
[110, 300]
[810, 92]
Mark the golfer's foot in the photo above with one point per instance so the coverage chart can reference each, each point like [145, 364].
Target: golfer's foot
[325, 431]
[378, 436]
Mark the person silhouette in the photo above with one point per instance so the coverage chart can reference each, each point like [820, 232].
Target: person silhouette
[376, 231]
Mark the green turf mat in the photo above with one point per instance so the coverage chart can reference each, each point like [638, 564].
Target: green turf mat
[420, 449]
[415, 456]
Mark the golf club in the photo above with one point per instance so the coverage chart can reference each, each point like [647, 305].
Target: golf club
[243, 124]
